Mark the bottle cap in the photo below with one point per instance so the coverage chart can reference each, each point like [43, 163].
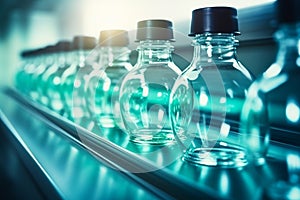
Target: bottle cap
[39, 51]
[50, 49]
[288, 11]
[113, 38]
[84, 42]
[214, 20]
[26, 53]
[62, 45]
[154, 29]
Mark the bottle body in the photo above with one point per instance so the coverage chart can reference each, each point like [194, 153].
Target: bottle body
[28, 64]
[102, 83]
[274, 101]
[144, 94]
[43, 87]
[51, 86]
[206, 102]
[36, 77]
[72, 86]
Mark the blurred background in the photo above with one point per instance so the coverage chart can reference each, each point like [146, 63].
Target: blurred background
[32, 24]
[29, 24]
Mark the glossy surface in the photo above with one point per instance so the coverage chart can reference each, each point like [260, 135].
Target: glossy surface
[145, 91]
[74, 171]
[274, 101]
[72, 87]
[103, 83]
[166, 167]
[13, 170]
[206, 99]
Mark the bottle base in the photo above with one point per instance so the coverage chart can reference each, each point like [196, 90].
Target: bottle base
[217, 157]
[106, 122]
[153, 137]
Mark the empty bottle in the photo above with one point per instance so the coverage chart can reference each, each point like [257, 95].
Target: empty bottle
[47, 58]
[72, 79]
[144, 92]
[28, 64]
[208, 96]
[103, 81]
[50, 85]
[273, 101]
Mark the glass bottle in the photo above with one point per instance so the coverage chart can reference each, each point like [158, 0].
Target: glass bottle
[274, 99]
[103, 81]
[49, 58]
[144, 92]
[50, 85]
[27, 60]
[44, 60]
[208, 96]
[37, 57]
[72, 79]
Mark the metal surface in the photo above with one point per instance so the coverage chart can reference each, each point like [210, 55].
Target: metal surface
[155, 178]
[62, 168]
[14, 174]
[157, 169]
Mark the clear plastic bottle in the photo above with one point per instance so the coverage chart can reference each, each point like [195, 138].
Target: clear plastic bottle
[144, 92]
[49, 58]
[27, 60]
[50, 85]
[103, 81]
[72, 79]
[274, 98]
[208, 96]
[46, 59]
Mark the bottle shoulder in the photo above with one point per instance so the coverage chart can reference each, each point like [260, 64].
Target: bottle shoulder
[159, 66]
[228, 69]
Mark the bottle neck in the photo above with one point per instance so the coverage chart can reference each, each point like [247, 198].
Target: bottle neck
[214, 48]
[154, 52]
[113, 57]
[288, 39]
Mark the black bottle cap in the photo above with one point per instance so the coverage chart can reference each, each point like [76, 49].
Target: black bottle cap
[84, 42]
[35, 52]
[50, 49]
[214, 20]
[61, 46]
[288, 11]
[39, 51]
[26, 53]
[113, 38]
[155, 29]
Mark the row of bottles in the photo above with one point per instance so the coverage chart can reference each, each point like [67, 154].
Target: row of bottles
[214, 109]
[41, 75]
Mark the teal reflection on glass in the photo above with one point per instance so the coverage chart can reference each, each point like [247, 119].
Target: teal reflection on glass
[224, 183]
[292, 111]
[293, 162]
